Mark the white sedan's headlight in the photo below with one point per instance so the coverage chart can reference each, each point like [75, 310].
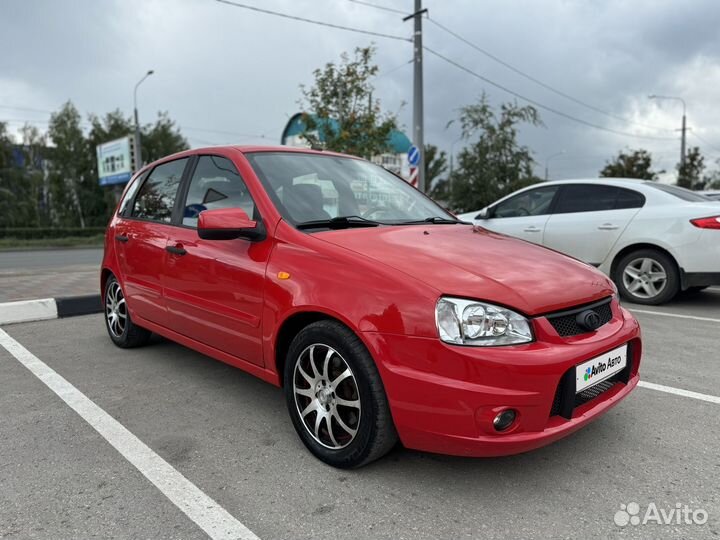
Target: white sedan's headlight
[468, 322]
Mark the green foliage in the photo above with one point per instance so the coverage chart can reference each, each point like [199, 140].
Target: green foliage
[496, 163]
[162, 138]
[56, 184]
[74, 192]
[690, 174]
[436, 164]
[712, 179]
[23, 198]
[341, 112]
[631, 164]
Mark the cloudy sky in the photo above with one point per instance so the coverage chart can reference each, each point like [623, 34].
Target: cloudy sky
[230, 75]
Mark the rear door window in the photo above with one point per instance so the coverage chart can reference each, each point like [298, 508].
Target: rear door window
[586, 198]
[156, 199]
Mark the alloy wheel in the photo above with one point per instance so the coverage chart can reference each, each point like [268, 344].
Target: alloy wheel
[644, 277]
[115, 309]
[326, 396]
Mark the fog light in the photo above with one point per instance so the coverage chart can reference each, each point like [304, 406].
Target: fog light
[504, 419]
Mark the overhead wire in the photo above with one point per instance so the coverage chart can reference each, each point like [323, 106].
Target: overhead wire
[540, 105]
[313, 21]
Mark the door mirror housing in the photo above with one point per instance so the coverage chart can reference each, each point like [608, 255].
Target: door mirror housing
[228, 224]
[484, 213]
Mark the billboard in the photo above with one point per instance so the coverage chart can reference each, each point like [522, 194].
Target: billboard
[114, 161]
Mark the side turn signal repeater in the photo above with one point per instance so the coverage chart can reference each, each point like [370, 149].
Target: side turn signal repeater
[283, 275]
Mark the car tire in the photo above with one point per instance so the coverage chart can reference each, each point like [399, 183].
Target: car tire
[122, 331]
[347, 421]
[647, 276]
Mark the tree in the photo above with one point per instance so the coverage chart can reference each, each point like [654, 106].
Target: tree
[496, 164]
[10, 181]
[436, 164]
[712, 179]
[690, 173]
[72, 192]
[340, 112]
[631, 164]
[162, 139]
[158, 139]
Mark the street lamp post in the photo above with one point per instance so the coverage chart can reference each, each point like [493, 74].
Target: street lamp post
[138, 150]
[683, 129]
[547, 162]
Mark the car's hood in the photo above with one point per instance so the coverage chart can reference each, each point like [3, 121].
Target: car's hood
[472, 262]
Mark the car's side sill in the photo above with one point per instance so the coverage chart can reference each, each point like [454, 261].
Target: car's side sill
[253, 369]
[698, 279]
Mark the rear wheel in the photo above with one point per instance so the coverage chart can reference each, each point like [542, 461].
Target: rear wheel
[647, 276]
[336, 398]
[123, 332]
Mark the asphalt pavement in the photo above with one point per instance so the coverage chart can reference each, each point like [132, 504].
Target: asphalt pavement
[49, 258]
[229, 435]
[49, 273]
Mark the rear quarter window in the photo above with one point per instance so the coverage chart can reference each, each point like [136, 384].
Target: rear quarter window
[124, 209]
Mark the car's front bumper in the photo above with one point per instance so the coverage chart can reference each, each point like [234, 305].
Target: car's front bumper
[444, 397]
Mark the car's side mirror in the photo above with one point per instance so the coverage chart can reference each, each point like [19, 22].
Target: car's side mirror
[484, 214]
[228, 224]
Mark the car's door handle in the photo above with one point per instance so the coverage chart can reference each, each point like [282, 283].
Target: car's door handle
[532, 228]
[608, 227]
[176, 250]
[121, 238]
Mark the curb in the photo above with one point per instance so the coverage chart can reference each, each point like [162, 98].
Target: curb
[45, 309]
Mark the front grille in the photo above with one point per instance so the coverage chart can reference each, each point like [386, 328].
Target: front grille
[565, 323]
[594, 391]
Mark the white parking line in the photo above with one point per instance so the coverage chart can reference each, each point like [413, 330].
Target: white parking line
[664, 314]
[680, 392]
[201, 509]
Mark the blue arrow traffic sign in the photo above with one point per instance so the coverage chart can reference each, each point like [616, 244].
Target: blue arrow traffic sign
[414, 156]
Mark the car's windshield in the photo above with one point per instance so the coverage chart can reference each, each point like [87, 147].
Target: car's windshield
[309, 187]
[679, 192]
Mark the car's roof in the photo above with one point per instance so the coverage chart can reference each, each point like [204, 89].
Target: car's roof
[251, 148]
[245, 149]
[626, 182]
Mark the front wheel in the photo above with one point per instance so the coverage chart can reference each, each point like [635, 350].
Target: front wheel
[647, 276]
[336, 398]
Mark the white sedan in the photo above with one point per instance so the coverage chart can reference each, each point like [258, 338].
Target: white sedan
[653, 239]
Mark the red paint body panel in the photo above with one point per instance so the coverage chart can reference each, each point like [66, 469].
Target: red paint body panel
[472, 262]
[214, 292]
[225, 299]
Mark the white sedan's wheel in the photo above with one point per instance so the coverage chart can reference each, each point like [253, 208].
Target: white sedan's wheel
[644, 277]
[647, 276]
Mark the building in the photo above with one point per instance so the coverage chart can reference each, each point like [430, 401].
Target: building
[395, 160]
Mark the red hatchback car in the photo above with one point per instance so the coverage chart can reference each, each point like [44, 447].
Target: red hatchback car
[380, 314]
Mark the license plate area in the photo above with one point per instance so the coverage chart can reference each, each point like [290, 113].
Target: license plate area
[600, 368]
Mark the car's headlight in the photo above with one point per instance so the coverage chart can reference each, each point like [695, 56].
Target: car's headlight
[468, 322]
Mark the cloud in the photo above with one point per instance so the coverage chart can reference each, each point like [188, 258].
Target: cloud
[222, 70]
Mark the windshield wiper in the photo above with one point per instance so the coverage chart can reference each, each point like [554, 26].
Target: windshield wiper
[433, 219]
[340, 222]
